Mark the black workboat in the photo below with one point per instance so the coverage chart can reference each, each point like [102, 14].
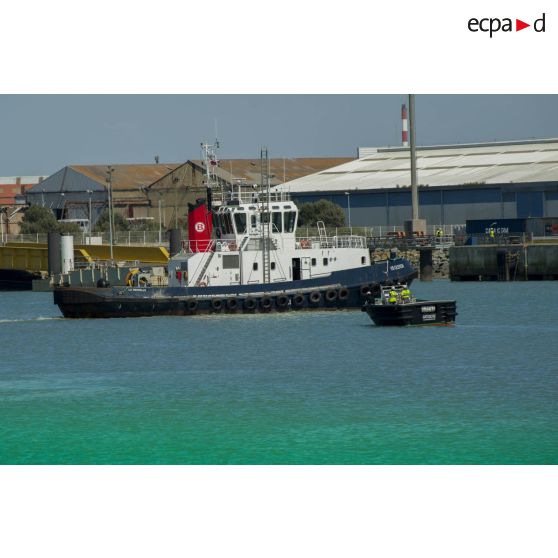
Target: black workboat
[393, 308]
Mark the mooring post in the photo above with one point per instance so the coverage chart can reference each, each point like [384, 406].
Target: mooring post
[175, 241]
[425, 264]
[54, 244]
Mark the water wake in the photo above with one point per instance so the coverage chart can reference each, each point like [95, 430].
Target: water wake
[37, 319]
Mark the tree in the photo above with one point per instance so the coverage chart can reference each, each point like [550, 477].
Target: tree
[322, 210]
[69, 228]
[39, 220]
[118, 222]
[147, 225]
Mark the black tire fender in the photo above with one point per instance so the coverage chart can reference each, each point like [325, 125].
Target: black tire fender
[265, 303]
[249, 304]
[315, 297]
[343, 293]
[331, 295]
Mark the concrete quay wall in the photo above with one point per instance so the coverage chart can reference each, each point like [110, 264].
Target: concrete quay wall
[503, 263]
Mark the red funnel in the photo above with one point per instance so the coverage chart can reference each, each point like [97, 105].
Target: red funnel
[200, 226]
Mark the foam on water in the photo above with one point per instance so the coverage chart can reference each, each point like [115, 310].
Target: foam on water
[37, 319]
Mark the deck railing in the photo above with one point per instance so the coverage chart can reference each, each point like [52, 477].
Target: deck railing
[349, 241]
[123, 238]
[248, 194]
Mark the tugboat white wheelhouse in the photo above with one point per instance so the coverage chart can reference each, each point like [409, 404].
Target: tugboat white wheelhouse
[243, 255]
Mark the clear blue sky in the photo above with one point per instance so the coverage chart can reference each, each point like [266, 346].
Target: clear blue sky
[42, 133]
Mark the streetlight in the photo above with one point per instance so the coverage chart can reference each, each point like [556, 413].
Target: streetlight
[61, 206]
[348, 194]
[160, 218]
[2, 211]
[175, 181]
[90, 192]
[110, 170]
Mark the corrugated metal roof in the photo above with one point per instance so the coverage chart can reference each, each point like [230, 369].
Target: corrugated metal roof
[280, 169]
[126, 180]
[66, 180]
[125, 177]
[452, 165]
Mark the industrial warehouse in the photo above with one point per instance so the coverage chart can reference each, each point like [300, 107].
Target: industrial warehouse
[456, 183]
[496, 180]
[156, 192]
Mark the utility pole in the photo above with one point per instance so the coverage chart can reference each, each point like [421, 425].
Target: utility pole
[110, 170]
[1, 225]
[415, 224]
[348, 194]
[175, 181]
[414, 187]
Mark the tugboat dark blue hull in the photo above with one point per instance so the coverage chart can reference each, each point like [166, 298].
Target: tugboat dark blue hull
[425, 312]
[346, 289]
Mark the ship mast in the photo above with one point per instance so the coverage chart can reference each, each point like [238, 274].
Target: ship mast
[266, 210]
[211, 163]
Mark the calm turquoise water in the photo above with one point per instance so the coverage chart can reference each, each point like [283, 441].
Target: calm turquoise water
[293, 388]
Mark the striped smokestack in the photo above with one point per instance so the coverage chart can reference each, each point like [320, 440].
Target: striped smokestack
[404, 133]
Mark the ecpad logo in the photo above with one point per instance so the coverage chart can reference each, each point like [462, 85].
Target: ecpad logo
[494, 24]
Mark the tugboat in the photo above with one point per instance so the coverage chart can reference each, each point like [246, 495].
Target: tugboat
[394, 306]
[243, 256]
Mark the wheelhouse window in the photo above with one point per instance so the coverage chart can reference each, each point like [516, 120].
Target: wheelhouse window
[217, 224]
[290, 221]
[223, 222]
[255, 266]
[325, 261]
[240, 222]
[253, 221]
[227, 224]
[313, 261]
[276, 224]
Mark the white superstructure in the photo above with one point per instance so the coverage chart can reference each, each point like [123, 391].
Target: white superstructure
[256, 243]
